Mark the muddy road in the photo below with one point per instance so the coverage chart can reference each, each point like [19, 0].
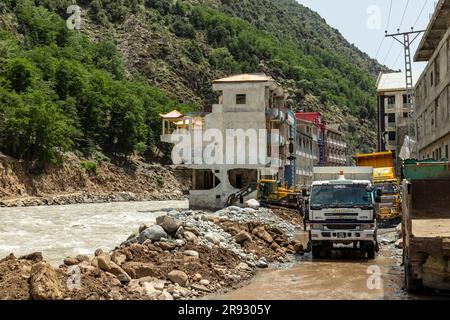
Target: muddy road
[344, 277]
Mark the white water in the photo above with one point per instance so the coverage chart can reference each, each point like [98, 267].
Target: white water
[61, 231]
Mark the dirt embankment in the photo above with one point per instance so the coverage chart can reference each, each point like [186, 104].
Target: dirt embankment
[71, 183]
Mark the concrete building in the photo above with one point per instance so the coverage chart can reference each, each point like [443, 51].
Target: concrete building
[306, 151]
[336, 146]
[329, 147]
[432, 91]
[247, 105]
[393, 113]
[318, 133]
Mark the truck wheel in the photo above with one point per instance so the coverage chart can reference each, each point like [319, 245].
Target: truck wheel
[371, 251]
[316, 251]
[412, 284]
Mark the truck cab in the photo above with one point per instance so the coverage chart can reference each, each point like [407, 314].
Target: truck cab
[341, 210]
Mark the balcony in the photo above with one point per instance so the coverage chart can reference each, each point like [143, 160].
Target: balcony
[275, 114]
[276, 139]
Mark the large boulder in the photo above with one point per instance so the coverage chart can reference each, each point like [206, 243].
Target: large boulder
[44, 282]
[119, 273]
[104, 261]
[252, 203]
[190, 237]
[169, 224]
[212, 237]
[242, 237]
[153, 233]
[139, 270]
[177, 276]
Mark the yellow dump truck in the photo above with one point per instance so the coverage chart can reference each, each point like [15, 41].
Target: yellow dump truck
[384, 178]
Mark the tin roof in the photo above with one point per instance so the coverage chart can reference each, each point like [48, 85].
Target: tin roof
[247, 77]
[395, 81]
[174, 114]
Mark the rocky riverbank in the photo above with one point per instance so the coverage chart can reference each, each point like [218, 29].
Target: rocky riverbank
[80, 181]
[185, 255]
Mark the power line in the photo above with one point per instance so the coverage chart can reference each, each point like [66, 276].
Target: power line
[389, 16]
[379, 47]
[387, 27]
[420, 14]
[388, 53]
[404, 14]
[398, 57]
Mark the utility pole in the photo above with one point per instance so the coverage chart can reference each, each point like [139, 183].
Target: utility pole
[406, 39]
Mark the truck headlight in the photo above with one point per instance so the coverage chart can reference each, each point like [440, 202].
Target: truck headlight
[367, 226]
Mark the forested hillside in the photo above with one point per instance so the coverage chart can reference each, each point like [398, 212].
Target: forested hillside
[99, 91]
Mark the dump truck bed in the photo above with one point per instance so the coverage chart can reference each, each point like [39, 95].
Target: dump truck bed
[430, 228]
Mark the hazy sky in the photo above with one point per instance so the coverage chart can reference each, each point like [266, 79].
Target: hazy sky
[358, 22]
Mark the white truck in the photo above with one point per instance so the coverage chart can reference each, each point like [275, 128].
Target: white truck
[341, 210]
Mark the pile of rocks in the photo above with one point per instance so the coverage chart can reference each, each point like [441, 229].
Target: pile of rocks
[186, 254]
[392, 239]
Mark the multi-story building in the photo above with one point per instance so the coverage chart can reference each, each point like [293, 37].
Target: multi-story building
[329, 147]
[393, 113]
[319, 132]
[306, 151]
[432, 91]
[337, 147]
[249, 106]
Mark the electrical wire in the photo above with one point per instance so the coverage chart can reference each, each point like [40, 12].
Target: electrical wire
[404, 14]
[389, 16]
[387, 27]
[398, 57]
[389, 52]
[420, 14]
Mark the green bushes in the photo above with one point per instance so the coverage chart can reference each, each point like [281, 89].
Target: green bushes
[89, 166]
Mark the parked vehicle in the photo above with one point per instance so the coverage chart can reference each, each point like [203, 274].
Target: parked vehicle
[341, 210]
[426, 225]
[390, 208]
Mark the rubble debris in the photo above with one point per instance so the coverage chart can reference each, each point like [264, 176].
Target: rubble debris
[185, 255]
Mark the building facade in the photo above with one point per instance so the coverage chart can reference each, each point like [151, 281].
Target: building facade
[336, 146]
[432, 92]
[329, 146]
[393, 114]
[248, 105]
[306, 151]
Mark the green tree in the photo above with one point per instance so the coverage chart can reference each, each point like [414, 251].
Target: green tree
[20, 73]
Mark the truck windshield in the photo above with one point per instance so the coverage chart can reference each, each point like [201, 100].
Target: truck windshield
[340, 195]
[388, 188]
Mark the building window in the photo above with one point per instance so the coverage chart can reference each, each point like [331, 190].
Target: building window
[432, 78]
[391, 99]
[391, 118]
[446, 152]
[405, 114]
[241, 99]
[406, 98]
[392, 136]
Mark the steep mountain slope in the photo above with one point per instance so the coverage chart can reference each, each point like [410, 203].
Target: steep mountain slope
[179, 47]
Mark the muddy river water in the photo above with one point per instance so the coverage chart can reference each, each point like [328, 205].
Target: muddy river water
[61, 231]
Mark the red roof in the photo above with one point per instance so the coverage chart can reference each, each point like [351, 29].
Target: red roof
[313, 117]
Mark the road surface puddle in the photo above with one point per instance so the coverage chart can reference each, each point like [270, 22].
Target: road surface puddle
[340, 278]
